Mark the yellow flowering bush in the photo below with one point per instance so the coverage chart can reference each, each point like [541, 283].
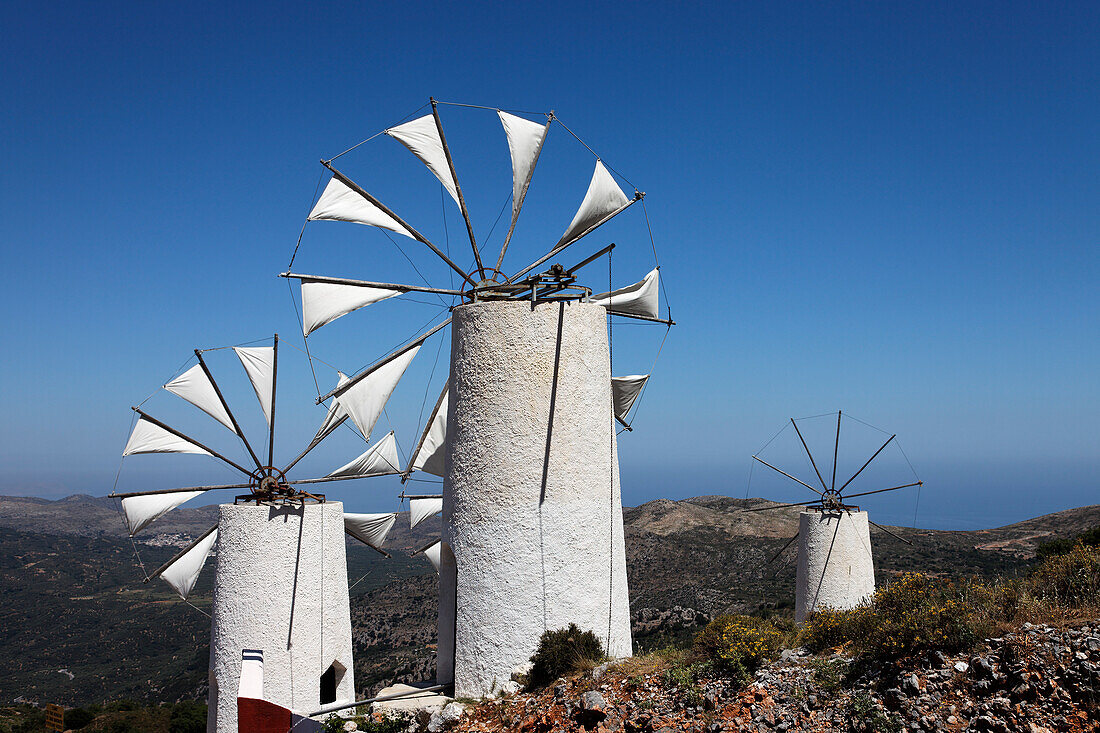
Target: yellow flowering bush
[733, 641]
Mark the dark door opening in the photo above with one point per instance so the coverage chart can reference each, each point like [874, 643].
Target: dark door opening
[328, 685]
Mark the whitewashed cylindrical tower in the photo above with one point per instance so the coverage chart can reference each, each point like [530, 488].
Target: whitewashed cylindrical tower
[835, 567]
[532, 521]
[281, 586]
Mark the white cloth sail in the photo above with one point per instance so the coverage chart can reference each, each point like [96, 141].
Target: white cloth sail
[195, 387]
[150, 438]
[430, 456]
[141, 510]
[639, 299]
[525, 139]
[378, 460]
[421, 509]
[325, 302]
[624, 390]
[421, 137]
[183, 573]
[364, 400]
[259, 364]
[432, 553]
[370, 529]
[338, 202]
[604, 198]
[335, 414]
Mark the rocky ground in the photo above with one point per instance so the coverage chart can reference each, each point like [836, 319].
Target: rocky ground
[1039, 679]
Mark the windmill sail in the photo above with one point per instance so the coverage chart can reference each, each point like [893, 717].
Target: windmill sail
[195, 387]
[430, 452]
[323, 302]
[370, 529]
[421, 137]
[184, 570]
[259, 364]
[335, 415]
[420, 508]
[378, 460]
[525, 139]
[603, 200]
[150, 438]
[624, 391]
[432, 552]
[639, 299]
[142, 510]
[339, 202]
[364, 400]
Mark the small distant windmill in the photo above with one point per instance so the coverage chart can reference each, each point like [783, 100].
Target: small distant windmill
[281, 578]
[835, 565]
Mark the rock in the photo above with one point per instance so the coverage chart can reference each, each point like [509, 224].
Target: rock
[452, 711]
[911, 685]
[511, 687]
[350, 726]
[936, 658]
[600, 671]
[435, 723]
[961, 667]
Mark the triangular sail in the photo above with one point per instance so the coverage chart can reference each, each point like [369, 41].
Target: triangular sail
[639, 299]
[603, 199]
[195, 387]
[370, 529]
[335, 415]
[183, 573]
[365, 399]
[378, 460]
[141, 510]
[525, 139]
[323, 303]
[432, 552]
[624, 390]
[429, 457]
[340, 203]
[150, 438]
[259, 364]
[421, 137]
[422, 508]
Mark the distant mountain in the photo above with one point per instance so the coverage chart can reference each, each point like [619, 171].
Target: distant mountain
[74, 603]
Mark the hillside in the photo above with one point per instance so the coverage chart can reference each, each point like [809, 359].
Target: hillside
[78, 625]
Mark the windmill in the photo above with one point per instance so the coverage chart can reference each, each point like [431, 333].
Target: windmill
[835, 565]
[523, 433]
[281, 565]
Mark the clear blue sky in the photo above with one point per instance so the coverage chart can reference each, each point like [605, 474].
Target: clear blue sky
[888, 208]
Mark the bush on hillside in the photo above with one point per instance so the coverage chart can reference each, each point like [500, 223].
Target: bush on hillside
[1063, 546]
[1068, 580]
[561, 653]
[737, 645]
[913, 614]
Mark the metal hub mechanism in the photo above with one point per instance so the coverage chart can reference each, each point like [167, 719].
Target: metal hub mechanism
[269, 485]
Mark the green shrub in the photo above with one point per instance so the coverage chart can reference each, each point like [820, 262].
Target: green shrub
[187, 717]
[561, 653]
[863, 714]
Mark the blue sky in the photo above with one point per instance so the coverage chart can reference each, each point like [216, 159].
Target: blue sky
[884, 208]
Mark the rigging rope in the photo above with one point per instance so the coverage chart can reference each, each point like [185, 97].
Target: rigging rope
[605, 164]
[362, 142]
[313, 202]
[611, 511]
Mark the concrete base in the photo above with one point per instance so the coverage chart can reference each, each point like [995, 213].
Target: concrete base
[281, 586]
[835, 568]
[415, 701]
[532, 511]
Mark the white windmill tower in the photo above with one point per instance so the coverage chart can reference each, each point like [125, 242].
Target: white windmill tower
[280, 585]
[524, 432]
[835, 565]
